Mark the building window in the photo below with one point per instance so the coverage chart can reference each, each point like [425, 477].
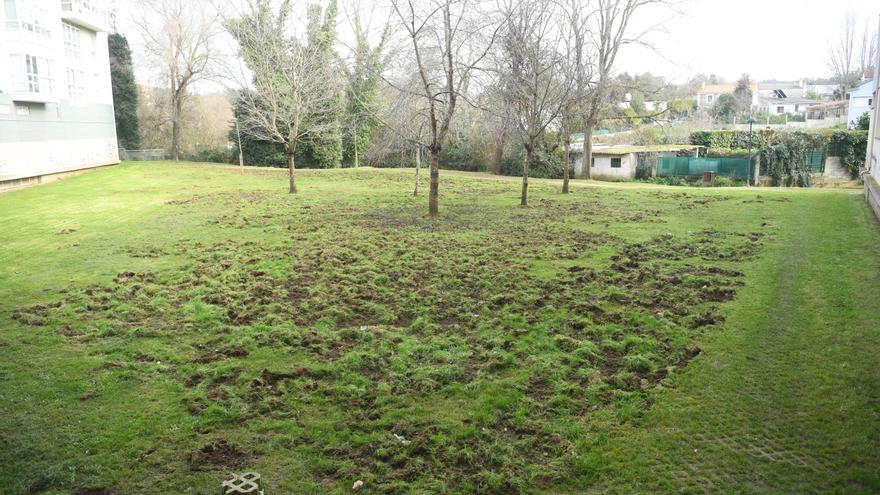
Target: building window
[780, 110]
[22, 110]
[71, 40]
[709, 98]
[75, 88]
[870, 102]
[32, 69]
[30, 74]
[26, 17]
[615, 163]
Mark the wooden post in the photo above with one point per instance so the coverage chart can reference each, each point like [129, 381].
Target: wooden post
[757, 169]
[240, 154]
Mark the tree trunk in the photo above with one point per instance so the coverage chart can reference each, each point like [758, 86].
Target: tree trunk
[524, 197]
[240, 154]
[497, 156]
[292, 169]
[588, 150]
[434, 194]
[356, 158]
[565, 160]
[418, 169]
[175, 127]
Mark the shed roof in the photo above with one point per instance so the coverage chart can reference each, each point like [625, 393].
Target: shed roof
[863, 89]
[830, 104]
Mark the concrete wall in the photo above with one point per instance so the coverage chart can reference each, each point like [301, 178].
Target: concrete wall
[602, 169]
[809, 124]
[66, 122]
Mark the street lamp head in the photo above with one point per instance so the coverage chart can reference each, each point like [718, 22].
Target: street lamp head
[751, 120]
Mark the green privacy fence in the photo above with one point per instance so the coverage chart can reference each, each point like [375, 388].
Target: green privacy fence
[817, 161]
[737, 168]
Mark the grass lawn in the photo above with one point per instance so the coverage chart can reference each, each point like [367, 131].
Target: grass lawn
[163, 325]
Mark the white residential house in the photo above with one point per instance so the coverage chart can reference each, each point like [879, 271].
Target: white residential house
[861, 100]
[825, 92]
[709, 93]
[649, 105]
[785, 105]
[56, 102]
[781, 89]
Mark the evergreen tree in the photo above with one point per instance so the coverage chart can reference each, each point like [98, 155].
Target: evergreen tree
[743, 94]
[324, 150]
[125, 95]
[362, 93]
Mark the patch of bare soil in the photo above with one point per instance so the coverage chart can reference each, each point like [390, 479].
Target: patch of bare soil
[218, 454]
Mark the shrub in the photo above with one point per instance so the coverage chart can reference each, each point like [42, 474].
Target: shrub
[544, 165]
[725, 182]
[863, 123]
[214, 155]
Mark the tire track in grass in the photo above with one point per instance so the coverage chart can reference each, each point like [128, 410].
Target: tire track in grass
[781, 402]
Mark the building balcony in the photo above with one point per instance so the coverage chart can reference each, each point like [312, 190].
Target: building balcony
[32, 88]
[28, 33]
[85, 13]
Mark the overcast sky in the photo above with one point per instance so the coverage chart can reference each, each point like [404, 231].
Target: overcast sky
[769, 39]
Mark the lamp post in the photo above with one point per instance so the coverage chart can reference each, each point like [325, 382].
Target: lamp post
[749, 180]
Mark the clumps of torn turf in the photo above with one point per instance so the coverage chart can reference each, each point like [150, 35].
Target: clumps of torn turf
[348, 338]
[217, 454]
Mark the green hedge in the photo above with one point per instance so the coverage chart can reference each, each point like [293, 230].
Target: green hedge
[725, 139]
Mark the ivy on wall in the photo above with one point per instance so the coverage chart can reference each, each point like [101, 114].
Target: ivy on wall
[851, 147]
[785, 155]
[787, 159]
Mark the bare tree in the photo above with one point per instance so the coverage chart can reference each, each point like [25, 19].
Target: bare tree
[842, 53]
[577, 66]
[292, 92]
[535, 87]
[447, 43]
[406, 122]
[611, 31]
[867, 49]
[179, 37]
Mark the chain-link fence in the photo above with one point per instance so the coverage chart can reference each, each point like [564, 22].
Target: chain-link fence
[143, 155]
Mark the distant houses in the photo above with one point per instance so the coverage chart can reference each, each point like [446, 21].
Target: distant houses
[648, 105]
[796, 99]
[708, 94]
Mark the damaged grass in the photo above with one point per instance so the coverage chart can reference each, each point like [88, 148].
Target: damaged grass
[340, 335]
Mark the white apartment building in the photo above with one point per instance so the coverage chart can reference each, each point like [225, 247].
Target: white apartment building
[56, 102]
[872, 160]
